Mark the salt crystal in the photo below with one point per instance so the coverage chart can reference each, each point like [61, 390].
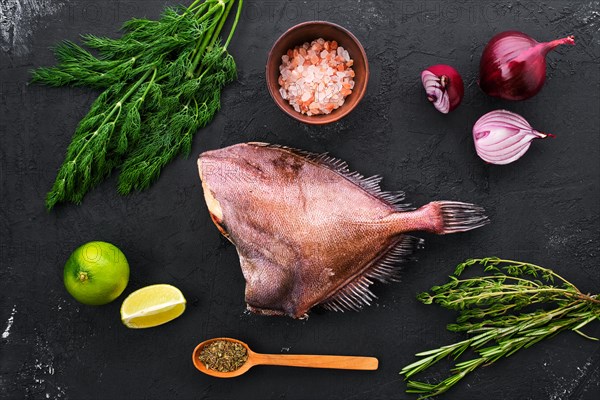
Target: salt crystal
[319, 71]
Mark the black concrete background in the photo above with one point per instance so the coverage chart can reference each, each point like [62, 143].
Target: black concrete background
[545, 209]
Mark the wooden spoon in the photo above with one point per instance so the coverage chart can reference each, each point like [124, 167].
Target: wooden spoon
[288, 360]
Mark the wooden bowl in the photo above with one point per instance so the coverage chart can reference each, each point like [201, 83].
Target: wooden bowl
[307, 32]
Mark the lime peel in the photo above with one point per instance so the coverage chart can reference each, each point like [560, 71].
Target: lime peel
[96, 273]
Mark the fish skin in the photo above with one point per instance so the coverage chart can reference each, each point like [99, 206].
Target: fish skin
[305, 231]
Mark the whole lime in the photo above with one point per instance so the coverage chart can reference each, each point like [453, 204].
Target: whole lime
[96, 273]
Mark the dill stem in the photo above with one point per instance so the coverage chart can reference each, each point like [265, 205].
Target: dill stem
[205, 40]
[194, 3]
[219, 27]
[204, 6]
[234, 26]
[210, 12]
[152, 80]
[116, 107]
[199, 50]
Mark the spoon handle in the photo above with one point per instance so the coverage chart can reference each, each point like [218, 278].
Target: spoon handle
[317, 361]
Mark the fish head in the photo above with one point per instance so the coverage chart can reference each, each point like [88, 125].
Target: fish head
[229, 174]
[238, 169]
[230, 170]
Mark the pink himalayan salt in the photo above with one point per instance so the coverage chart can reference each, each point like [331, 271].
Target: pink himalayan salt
[316, 77]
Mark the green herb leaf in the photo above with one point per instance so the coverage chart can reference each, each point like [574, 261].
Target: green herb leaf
[162, 81]
[488, 309]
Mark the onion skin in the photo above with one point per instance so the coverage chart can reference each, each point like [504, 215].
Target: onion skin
[513, 65]
[444, 87]
[502, 137]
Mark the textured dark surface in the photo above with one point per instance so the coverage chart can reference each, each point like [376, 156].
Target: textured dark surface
[545, 209]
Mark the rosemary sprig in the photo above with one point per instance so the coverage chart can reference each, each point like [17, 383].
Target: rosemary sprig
[161, 82]
[489, 308]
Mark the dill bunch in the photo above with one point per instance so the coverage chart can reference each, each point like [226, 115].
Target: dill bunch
[488, 308]
[161, 81]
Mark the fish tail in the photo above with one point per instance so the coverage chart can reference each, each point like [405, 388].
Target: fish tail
[456, 216]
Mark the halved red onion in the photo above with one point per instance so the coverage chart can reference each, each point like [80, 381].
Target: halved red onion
[502, 137]
[444, 87]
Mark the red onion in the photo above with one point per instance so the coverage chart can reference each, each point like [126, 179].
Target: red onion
[513, 65]
[502, 137]
[444, 87]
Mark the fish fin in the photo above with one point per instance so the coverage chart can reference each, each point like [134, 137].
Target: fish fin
[460, 217]
[370, 184]
[356, 294]
[386, 269]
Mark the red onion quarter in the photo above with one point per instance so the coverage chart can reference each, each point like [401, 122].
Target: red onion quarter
[502, 137]
[444, 87]
[513, 65]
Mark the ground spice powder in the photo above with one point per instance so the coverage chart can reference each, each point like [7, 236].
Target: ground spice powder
[223, 356]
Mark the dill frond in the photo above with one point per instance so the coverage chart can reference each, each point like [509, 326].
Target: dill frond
[161, 81]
